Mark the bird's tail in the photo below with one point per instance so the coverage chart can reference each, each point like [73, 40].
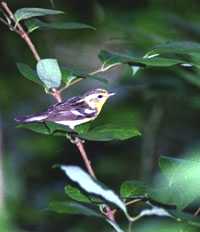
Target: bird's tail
[31, 118]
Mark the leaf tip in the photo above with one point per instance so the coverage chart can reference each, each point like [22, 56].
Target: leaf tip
[56, 166]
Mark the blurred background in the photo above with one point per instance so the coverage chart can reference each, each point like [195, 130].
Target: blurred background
[165, 105]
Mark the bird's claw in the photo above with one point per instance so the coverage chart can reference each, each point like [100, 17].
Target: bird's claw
[74, 138]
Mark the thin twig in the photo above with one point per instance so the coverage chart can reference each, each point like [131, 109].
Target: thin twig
[20, 30]
[104, 69]
[70, 84]
[127, 204]
[79, 143]
[197, 212]
[133, 202]
[4, 22]
[130, 226]
[101, 70]
[56, 94]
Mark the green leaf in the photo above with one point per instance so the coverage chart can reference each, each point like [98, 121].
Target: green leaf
[180, 47]
[89, 131]
[115, 225]
[49, 73]
[26, 13]
[76, 195]
[29, 73]
[67, 76]
[72, 208]
[34, 24]
[189, 76]
[163, 226]
[110, 126]
[47, 129]
[109, 132]
[110, 58]
[182, 185]
[185, 217]
[92, 186]
[133, 188]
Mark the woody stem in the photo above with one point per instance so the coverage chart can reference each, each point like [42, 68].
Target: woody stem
[84, 156]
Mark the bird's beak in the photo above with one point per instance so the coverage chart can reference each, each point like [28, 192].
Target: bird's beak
[111, 94]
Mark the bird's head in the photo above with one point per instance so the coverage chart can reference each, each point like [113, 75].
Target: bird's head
[97, 97]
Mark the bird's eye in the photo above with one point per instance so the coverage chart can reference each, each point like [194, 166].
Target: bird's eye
[100, 96]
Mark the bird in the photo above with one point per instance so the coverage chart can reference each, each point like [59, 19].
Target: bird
[72, 112]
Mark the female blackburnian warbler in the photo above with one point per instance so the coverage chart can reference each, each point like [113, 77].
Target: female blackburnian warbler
[74, 111]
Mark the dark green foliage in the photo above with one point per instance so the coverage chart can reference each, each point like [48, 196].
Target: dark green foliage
[35, 24]
[72, 208]
[29, 73]
[105, 132]
[109, 58]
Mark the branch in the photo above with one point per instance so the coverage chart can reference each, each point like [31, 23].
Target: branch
[79, 143]
[101, 70]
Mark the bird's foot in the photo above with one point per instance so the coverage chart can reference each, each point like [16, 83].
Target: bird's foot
[73, 137]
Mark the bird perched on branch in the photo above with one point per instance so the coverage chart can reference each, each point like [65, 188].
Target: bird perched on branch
[72, 112]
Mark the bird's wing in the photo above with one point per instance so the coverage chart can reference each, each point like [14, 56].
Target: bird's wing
[73, 109]
[65, 104]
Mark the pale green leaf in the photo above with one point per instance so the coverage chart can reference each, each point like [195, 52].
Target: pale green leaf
[26, 13]
[49, 73]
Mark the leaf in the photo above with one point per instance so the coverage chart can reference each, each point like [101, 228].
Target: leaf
[181, 175]
[29, 73]
[48, 129]
[163, 226]
[34, 24]
[185, 217]
[67, 76]
[75, 194]
[92, 186]
[134, 69]
[72, 208]
[180, 47]
[133, 188]
[109, 58]
[49, 73]
[154, 211]
[88, 131]
[26, 13]
[115, 225]
[188, 76]
[108, 132]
